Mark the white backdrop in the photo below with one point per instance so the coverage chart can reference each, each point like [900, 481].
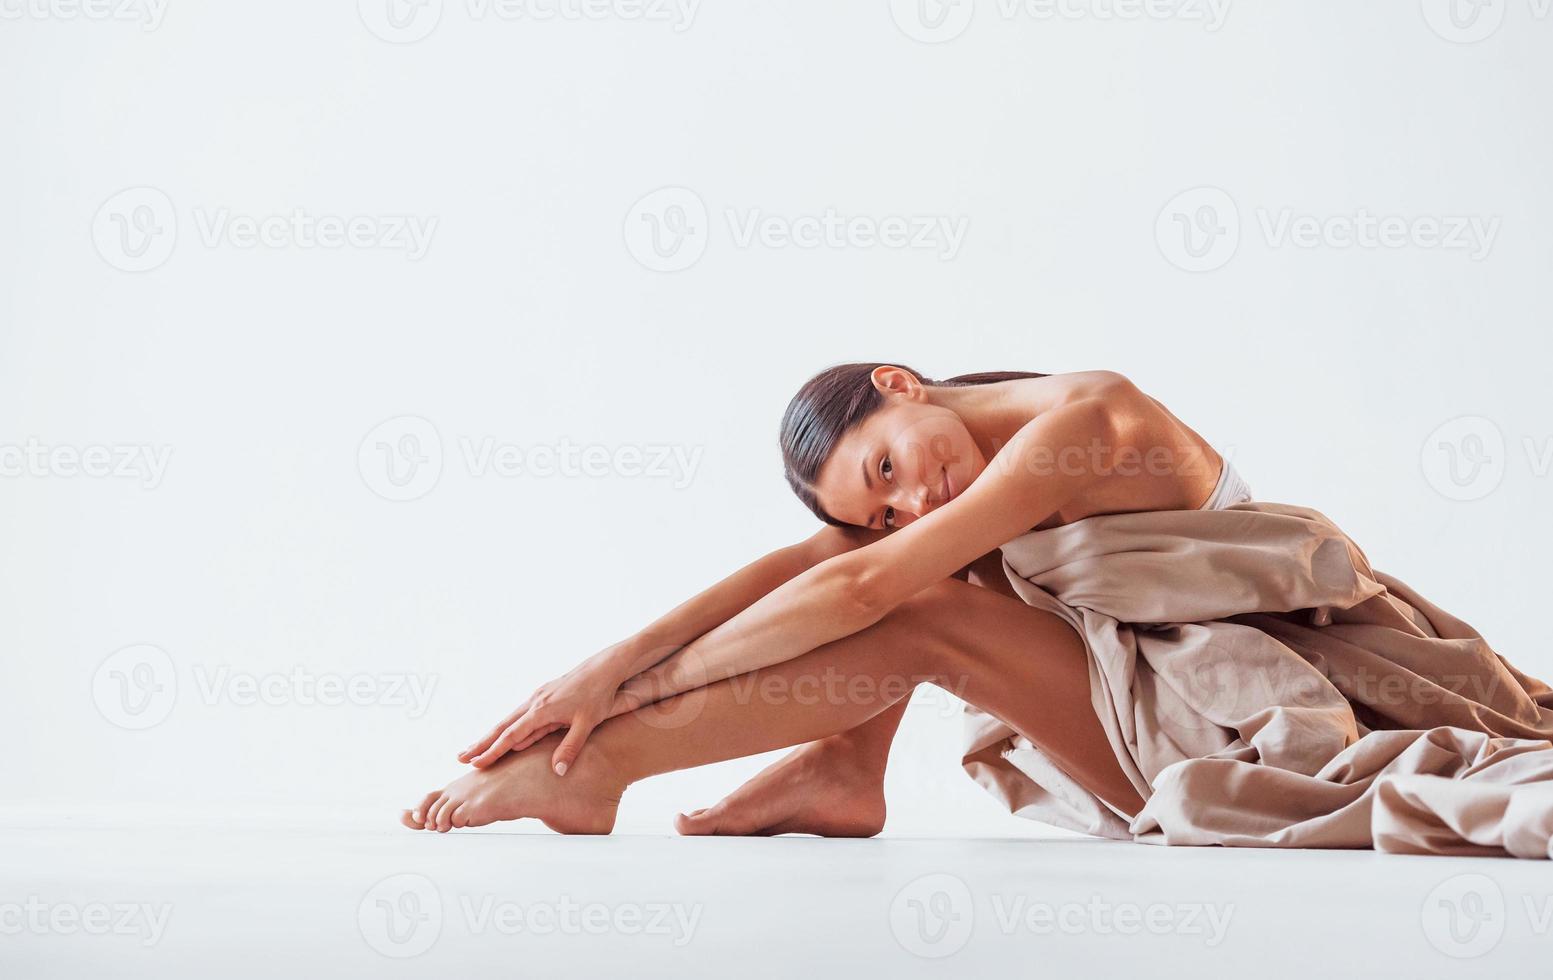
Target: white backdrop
[243, 242]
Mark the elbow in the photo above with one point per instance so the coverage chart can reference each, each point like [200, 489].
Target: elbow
[862, 590]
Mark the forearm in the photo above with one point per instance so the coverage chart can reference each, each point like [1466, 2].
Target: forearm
[820, 605]
[710, 608]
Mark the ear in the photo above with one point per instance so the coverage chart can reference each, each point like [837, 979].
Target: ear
[891, 380]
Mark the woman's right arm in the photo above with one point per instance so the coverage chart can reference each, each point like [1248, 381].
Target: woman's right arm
[716, 605]
[666, 635]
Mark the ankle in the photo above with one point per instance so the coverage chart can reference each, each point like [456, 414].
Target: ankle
[847, 749]
[610, 763]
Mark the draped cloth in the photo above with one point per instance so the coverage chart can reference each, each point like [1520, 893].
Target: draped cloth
[1263, 686]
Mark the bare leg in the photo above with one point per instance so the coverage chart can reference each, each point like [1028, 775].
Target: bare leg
[832, 786]
[1017, 663]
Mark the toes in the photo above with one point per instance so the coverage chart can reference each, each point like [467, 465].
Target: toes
[445, 815]
[720, 819]
[407, 817]
[457, 819]
[474, 814]
[691, 824]
[434, 811]
[417, 816]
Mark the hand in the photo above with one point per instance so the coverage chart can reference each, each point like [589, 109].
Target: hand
[577, 702]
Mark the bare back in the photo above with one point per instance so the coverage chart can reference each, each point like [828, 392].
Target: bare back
[1179, 475]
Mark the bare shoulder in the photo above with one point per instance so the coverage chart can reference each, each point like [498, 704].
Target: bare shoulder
[1080, 385]
[1152, 459]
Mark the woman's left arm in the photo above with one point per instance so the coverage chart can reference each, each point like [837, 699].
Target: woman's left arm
[1027, 481]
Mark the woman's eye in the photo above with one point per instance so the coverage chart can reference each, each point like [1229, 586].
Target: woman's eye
[889, 517]
[886, 467]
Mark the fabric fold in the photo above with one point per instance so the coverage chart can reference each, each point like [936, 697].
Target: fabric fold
[1262, 685]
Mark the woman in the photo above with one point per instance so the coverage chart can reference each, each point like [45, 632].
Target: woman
[859, 614]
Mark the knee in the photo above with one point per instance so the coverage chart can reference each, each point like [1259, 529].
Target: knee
[925, 624]
[934, 602]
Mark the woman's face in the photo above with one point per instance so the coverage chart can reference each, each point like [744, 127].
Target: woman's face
[902, 462]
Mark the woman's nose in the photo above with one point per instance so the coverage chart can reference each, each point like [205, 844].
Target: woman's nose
[922, 503]
[911, 506]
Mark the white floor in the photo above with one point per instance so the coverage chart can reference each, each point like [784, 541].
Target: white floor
[177, 899]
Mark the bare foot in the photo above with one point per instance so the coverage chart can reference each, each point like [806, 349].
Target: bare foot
[522, 784]
[823, 788]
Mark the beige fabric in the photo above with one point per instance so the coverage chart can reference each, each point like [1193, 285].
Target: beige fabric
[1263, 686]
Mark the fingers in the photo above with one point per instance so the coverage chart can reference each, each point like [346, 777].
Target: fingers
[571, 745]
[625, 702]
[485, 741]
[538, 734]
[515, 733]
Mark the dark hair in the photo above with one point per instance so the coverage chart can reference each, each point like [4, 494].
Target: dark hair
[833, 403]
